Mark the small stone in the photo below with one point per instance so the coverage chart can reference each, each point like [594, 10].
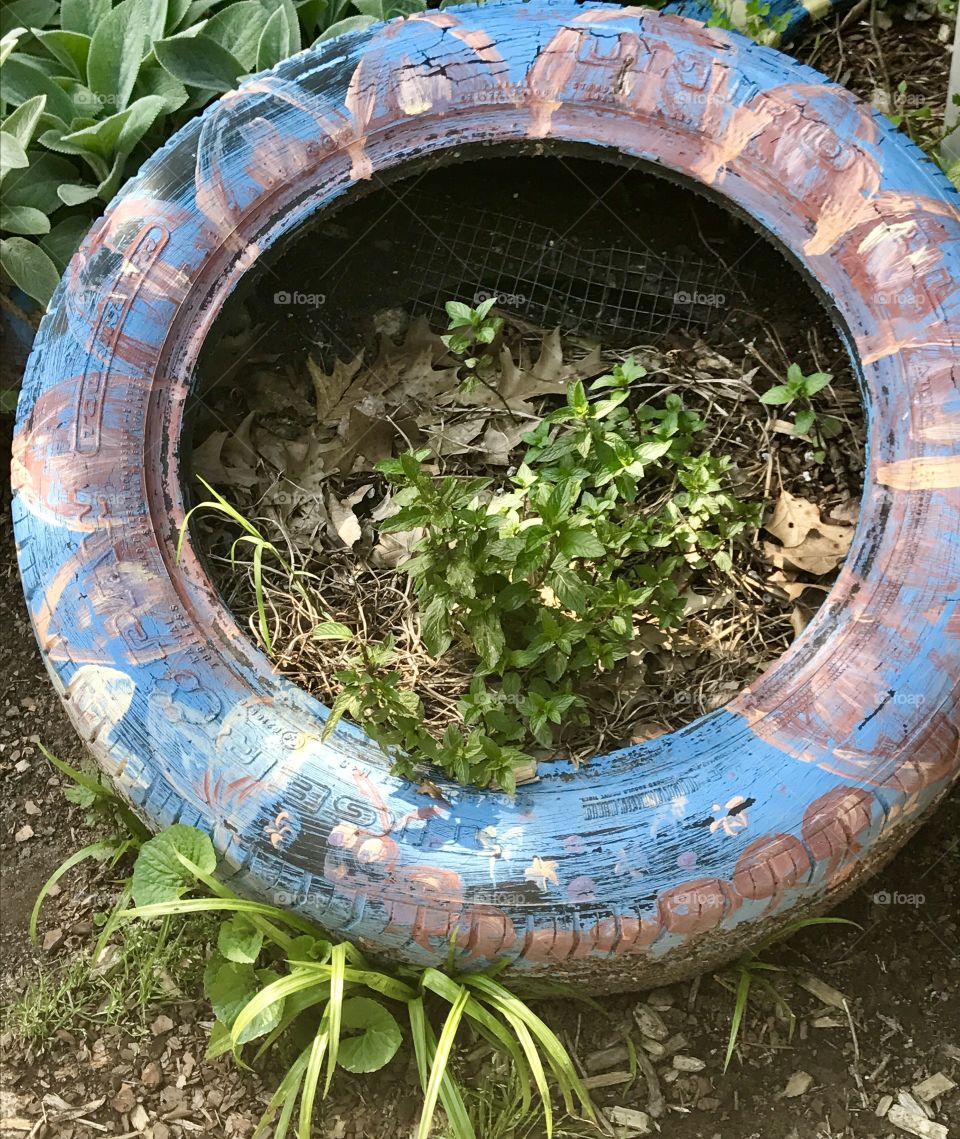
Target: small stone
[24, 833]
[650, 1022]
[915, 1124]
[124, 1101]
[22, 766]
[636, 1122]
[151, 1075]
[606, 1080]
[51, 939]
[31, 807]
[883, 1106]
[906, 1100]
[660, 999]
[161, 1025]
[652, 1047]
[798, 1084]
[139, 1118]
[606, 1058]
[688, 1063]
[822, 991]
[932, 1087]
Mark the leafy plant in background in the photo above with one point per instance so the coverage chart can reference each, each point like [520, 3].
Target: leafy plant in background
[96, 87]
[542, 581]
[470, 331]
[754, 20]
[276, 978]
[800, 390]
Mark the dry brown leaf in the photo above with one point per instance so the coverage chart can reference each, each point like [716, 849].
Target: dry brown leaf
[800, 618]
[807, 542]
[520, 381]
[267, 392]
[647, 730]
[502, 437]
[217, 461]
[329, 389]
[452, 438]
[369, 435]
[394, 548]
[794, 589]
[343, 523]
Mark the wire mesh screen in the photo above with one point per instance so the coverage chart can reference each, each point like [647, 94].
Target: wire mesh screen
[622, 294]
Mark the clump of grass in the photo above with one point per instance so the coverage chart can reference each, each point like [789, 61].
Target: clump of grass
[751, 971]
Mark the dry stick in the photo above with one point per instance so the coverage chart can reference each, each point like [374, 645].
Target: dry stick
[656, 1104]
[856, 1054]
[875, 40]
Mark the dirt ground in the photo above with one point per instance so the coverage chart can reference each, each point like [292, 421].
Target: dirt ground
[881, 1015]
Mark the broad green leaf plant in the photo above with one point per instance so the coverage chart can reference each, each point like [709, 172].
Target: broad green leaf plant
[276, 979]
[90, 88]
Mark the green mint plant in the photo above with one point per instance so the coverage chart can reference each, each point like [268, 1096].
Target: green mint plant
[469, 331]
[544, 578]
[799, 390]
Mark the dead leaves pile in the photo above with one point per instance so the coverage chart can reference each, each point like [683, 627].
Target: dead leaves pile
[305, 457]
[361, 413]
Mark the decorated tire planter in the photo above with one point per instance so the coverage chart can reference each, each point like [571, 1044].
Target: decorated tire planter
[647, 864]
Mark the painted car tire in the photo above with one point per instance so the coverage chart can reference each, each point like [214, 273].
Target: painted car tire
[653, 862]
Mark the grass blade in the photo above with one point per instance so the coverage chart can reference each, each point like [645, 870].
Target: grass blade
[258, 592]
[285, 1094]
[439, 1061]
[424, 1046]
[557, 1057]
[488, 1026]
[101, 791]
[535, 1065]
[739, 1007]
[269, 995]
[311, 1079]
[338, 964]
[293, 1006]
[96, 850]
